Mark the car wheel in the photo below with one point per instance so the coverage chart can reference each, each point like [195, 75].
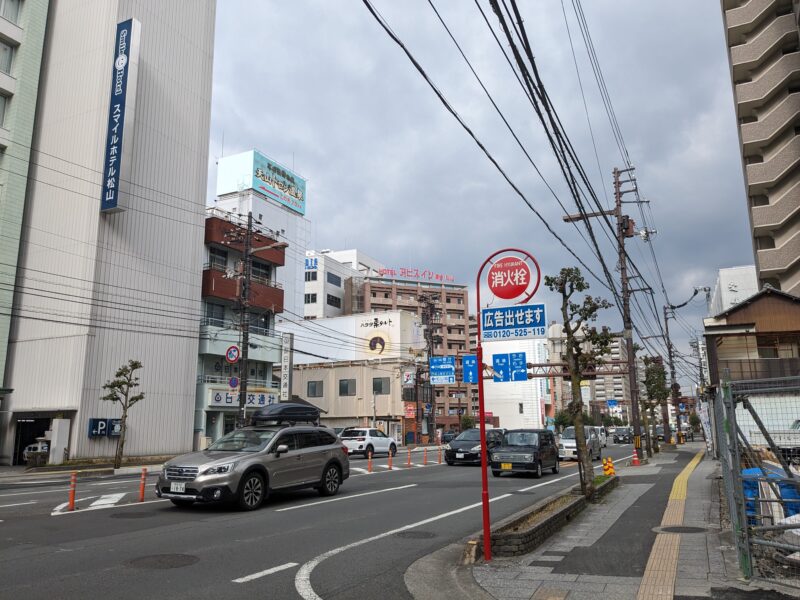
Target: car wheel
[557, 466]
[369, 452]
[393, 450]
[538, 472]
[181, 503]
[331, 480]
[252, 491]
[449, 463]
[495, 473]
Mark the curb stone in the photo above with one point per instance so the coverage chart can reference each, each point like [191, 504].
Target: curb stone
[428, 576]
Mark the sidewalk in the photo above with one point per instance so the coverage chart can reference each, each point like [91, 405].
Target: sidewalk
[656, 536]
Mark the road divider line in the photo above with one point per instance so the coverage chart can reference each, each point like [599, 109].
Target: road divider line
[402, 487]
[107, 499]
[17, 504]
[58, 491]
[302, 581]
[37, 482]
[264, 573]
[56, 511]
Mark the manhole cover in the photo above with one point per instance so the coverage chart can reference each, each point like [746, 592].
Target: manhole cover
[162, 561]
[131, 515]
[682, 529]
[416, 535]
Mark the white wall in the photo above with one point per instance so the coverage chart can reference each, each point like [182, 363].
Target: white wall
[733, 285]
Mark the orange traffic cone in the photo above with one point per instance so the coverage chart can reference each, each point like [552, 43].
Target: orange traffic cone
[635, 462]
[612, 470]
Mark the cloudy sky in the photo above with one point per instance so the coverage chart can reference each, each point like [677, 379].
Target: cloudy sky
[318, 85]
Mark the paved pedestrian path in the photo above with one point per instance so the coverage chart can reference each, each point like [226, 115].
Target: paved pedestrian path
[618, 549]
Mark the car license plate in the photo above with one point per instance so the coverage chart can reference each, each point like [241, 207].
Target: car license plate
[505, 466]
[459, 455]
[178, 487]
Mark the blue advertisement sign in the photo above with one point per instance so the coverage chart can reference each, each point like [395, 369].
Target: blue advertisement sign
[519, 368]
[116, 117]
[442, 370]
[513, 322]
[612, 403]
[469, 366]
[279, 183]
[312, 264]
[502, 367]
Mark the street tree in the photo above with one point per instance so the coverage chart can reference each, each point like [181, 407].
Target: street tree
[120, 390]
[584, 350]
[563, 420]
[467, 422]
[655, 383]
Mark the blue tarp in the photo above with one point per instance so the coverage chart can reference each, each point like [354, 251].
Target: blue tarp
[788, 491]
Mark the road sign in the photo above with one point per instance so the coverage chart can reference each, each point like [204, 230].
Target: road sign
[502, 367]
[519, 369]
[427, 409]
[442, 370]
[681, 407]
[233, 382]
[509, 277]
[469, 367]
[232, 354]
[513, 322]
[612, 403]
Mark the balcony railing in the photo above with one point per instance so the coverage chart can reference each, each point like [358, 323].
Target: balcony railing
[222, 268]
[759, 368]
[251, 382]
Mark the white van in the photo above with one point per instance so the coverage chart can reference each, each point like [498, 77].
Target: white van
[601, 434]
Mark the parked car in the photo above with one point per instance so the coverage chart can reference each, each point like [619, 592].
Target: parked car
[525, 451]
[623, 435]
[466, 447]
[448, 436]
[367, 441]
[660, 433]
[567, 447]
[601, 434]
[37, 447]
[245, 465]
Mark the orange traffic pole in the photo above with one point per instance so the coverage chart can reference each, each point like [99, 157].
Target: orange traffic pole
[142, 484]
[73, 483]
[390, 460]
[425, 456]
[440, 455]
[369, 464]
[408, 462]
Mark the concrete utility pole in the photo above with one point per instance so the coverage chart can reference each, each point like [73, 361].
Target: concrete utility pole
[673, 384]
[426, 301]
[625, 229]
[244, 317]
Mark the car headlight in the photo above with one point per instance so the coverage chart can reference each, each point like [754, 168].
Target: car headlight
[475, 448]
[447, 447]
[496, 457]
[219, 469]
[529, 458]
[561, 446]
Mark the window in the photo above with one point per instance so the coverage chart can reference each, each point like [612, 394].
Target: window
[218, 259]
[380, 385]
[314, 389]
[521, 411]
[261, 272]
[307, 439]
[10, 10]
[334, 301]
[334, 279]
[347, 387]
[311, 298]
[3, 102]
[325, 438]
[290, 439]
[215, 314]
[259, 323]
[6, 54]
[311, 275]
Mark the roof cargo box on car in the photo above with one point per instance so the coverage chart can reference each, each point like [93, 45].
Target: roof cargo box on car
[286, 412]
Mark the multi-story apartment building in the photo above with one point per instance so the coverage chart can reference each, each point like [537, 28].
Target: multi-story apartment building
[217, 403]
[22, 30]
[329, 281]
[764, 56]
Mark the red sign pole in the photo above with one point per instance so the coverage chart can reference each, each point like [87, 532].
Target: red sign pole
[487, 524]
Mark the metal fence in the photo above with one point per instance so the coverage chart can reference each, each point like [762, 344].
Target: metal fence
[757, 437]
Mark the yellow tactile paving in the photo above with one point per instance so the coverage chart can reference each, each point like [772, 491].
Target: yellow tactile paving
[658, 581]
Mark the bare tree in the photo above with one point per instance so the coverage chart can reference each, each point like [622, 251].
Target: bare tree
[585, 347]
[120, 390]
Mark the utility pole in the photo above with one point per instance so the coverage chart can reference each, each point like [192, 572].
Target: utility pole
[426, 302]
[674, 387]
[625, 229]
[244, 316]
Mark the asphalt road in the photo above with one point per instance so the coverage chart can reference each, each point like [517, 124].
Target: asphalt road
[355, 545]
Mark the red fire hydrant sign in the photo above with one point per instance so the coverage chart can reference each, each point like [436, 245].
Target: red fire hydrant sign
[509, 277]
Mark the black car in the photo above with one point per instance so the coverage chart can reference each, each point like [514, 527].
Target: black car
[525, 451]
[448, 436]
[466, 447]
[623, 435]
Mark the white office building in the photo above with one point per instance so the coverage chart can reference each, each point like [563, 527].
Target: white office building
[733, 285]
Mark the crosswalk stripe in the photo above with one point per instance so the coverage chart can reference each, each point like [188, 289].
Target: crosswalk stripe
[108, 499]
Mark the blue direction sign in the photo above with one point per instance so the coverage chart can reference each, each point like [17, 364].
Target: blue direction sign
[469, 367]
[681, 407]
[612, 403]
[502, 367]
[519, 368]
[442, 370]
[513, 322]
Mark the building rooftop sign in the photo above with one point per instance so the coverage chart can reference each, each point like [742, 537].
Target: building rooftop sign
[409, 273]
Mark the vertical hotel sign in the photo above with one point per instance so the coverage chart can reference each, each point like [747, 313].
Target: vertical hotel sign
[119, 135]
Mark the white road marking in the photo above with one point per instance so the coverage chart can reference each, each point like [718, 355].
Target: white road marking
[18, 504]
[386, 470]
[37, 481]
[91, 508]
[107, 499]
[358, 469]
[64, 505]
[59, 491]
[263, 573]
[302, 581]
[128, 482]
[402, 487]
